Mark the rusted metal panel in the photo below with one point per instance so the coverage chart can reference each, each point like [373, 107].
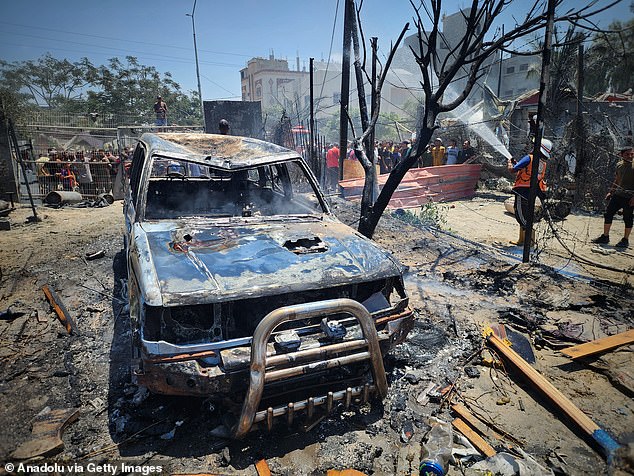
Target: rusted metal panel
[419, 186]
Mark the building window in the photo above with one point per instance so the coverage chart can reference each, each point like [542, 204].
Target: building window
[524, 67]
[336, 98]
[510, 70]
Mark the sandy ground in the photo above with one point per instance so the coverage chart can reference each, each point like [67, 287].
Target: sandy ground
[456, 286]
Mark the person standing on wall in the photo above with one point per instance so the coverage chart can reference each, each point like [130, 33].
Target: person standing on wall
[521, 189]
[160, 109]
[223, 127]
[620, 196]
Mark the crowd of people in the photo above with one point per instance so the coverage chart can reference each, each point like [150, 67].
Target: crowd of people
[87, 172]
[390, 153]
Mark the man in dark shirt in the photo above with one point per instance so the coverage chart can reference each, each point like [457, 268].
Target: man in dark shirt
[620, 196]
[467, 154]
[160, 108]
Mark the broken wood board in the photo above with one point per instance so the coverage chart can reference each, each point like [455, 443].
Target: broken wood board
[475, 439]
[467, 416]
[583, 421]
[47, 434]
[62, 313]
[599, 345]
[262, 468]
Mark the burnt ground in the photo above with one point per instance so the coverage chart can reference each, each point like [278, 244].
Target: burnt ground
[456, 287]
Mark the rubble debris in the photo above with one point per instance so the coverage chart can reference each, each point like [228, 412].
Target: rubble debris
[344, 472]
[9, 314]
[95, 255]
[472, 372]
[407, 431]
[505, 464]
[5, 225]
[599, 345]
[600, 436]
[423, 397]
[62, 313]
[473, 437]
[47, 434]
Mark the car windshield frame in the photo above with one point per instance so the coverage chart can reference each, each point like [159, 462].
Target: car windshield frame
[180, 188]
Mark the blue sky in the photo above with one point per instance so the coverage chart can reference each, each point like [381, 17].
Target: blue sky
[228, 33]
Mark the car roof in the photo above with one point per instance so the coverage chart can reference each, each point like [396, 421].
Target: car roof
[225, 151]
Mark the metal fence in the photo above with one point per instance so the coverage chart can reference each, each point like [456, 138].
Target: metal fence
[86, 159]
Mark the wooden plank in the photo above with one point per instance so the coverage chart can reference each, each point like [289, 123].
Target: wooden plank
[600, 345]
[583, 421]
[62, 313]
[475, 439]
[262, 468]
[468, 417]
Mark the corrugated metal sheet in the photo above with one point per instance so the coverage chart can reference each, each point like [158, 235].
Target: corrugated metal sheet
[419, 186]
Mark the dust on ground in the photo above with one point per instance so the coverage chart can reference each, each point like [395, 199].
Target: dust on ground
[456, 286]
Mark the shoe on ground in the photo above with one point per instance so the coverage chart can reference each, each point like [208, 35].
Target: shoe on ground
[624, 243]
[602, 240]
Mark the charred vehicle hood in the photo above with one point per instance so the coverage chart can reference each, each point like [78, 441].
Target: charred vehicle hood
[186, 263]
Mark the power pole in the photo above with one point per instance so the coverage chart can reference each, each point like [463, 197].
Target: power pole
[374, 159]
[500, 68]
[580, 159]
[311, 124]
[543, 92]
[345, 83]
[200, 94]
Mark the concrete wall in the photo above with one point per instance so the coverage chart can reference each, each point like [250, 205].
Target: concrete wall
[245, 117]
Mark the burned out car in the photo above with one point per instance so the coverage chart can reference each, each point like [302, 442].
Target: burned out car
[244, 287]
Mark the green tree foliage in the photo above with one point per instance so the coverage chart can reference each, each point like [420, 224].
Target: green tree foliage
[610, 60]
[119, 87]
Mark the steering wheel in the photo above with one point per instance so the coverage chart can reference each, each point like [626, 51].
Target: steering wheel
[173, 175]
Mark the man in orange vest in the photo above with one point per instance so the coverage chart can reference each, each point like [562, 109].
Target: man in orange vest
[524, 169]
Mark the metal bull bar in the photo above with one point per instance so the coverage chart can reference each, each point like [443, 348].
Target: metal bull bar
[263, 332]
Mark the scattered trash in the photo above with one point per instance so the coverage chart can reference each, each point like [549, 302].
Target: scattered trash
[170, 434]
[504, 464]
[139, 396]
[96, 255]
[423, 397]
[407, 431]
[97, 403]
[47, 434]
[503, 401]
[472, 372]
[436, 448]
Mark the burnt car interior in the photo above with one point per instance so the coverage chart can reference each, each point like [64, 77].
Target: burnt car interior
[179, 189]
